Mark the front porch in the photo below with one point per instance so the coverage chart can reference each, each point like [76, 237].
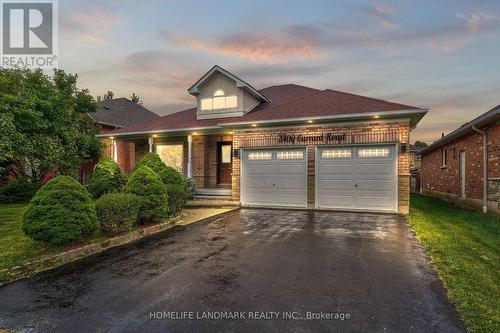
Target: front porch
[205, 158]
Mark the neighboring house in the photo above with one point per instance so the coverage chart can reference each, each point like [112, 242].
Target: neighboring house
[414, 163]
[464, 165]
[113, 114]
[414, 157]
[284, 146]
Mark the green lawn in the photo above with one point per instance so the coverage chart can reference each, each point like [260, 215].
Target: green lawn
[465, 249]
[17, 249]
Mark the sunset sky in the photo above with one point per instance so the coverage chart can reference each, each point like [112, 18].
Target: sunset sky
[444, 55]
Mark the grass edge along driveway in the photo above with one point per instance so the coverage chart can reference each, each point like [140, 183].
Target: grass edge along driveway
[464, 246]
[16, 249]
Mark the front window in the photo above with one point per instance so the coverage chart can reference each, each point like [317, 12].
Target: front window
[226, 154]
[172, 155]
[219, 101]
[85, 178]
[445, 157]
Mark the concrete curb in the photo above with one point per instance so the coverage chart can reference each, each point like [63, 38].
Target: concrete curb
[62, 258]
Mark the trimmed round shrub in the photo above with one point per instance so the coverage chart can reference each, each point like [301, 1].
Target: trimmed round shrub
[151, 192]
[117, 212]
[171, 176]
[19, 190]
[60, 212]
[107, 178]
[152, 161]
[177, 198]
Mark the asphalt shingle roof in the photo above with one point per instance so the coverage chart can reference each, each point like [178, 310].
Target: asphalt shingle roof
[286, 102]
[121, 112]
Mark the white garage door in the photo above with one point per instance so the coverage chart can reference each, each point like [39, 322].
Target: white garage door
[357, 178]
[274, 177]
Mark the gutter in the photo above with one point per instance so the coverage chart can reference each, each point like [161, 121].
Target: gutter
[330, 117]
[485, 167]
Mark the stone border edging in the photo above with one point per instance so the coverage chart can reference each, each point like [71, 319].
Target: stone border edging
[90, 249]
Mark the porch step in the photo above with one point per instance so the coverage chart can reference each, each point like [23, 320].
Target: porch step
[213, 192]
[219, 202]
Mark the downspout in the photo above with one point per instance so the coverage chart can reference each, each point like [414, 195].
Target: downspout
[485, 168]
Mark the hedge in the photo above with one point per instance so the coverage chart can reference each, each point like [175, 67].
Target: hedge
[171, 176]
[151, 192]
[19, 190]
[177, 198]
[117, 212]
[107, 178]
[61, 211]
[152, 161]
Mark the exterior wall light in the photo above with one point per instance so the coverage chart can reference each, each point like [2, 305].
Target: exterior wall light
[254, 125]
[376, 117]
[310, 121]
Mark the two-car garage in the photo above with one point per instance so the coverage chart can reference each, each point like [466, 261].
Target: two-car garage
[362, 177]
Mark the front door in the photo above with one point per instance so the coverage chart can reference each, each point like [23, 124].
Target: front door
[462, 174]
[224, 163]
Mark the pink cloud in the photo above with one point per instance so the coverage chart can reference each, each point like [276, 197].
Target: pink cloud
[475, 20]
[257, 48]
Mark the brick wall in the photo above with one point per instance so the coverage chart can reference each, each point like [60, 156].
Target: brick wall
[447, 179]
[369, 132]
[205, 159]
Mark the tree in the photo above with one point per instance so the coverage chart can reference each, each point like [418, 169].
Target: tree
[109, 95]
[420, 144]
[44, 122]
[136, 99]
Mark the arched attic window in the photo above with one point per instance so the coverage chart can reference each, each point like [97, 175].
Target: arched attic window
[219, 101]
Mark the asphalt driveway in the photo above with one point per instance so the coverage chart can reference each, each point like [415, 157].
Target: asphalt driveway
[273, 267]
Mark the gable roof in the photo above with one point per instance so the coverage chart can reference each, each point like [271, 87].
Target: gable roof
[287, 103]
[486, 118]
[121, 112]
[195, 88]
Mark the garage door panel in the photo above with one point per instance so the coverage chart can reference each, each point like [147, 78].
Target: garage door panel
[327, 169]
[282, 182]
[341, 201]
[375, 203]
[289, 185]
[335, 185]
[374, 176]
[375, 185]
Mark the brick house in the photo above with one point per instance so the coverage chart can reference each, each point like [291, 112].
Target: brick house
[113, 114]
[457, 167]
[283, 146]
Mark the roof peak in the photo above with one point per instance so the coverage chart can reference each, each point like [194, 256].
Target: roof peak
[240, 83]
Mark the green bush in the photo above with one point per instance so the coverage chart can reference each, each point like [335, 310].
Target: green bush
[189, 188]
[152, 161]
[151, 192]
[19, 190]
[61, 211]
[107, 178]
[171, 176]
[117, 212]
[177, 198]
